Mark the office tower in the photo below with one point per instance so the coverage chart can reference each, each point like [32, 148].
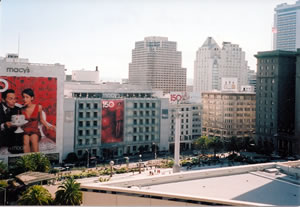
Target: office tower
[157, 63]
[252, 79]
[275, 101]
[214, 63]
[286, 30]
[228, 114]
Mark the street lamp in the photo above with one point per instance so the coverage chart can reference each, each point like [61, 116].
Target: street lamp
[155, 155]
[140, 164]
[111, 163]
[88, 154]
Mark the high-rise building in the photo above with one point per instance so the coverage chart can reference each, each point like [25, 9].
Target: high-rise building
[214, 63]
[276, 101]
[157, 63]
[286, 28]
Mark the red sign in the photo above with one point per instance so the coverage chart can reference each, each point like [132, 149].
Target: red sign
[112, 121]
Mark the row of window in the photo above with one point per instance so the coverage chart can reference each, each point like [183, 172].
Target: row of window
[142, 105]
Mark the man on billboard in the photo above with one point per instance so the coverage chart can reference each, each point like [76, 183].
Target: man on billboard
[8, 138]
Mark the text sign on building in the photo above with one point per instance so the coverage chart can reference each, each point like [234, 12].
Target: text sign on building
[177, 97]
[229, 84]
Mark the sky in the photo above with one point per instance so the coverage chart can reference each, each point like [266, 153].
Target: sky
[83, 34]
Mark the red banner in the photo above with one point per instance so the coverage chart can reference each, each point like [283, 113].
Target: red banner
[112, 121]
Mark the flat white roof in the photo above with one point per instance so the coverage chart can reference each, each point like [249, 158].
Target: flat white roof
[250, 187]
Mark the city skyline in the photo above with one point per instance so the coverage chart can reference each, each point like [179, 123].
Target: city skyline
[86, 34]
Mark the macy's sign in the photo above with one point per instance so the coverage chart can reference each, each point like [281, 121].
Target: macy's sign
[18, 70]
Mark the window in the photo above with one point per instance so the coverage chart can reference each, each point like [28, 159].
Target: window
[88, 106]
[134, 138]
[135, 105]
[88, 114]
[134, 121]
[135, 113]
[141, 129]
[147, 121]
[87, 123]
[94, 141]
[95, 114]
[141, 113]
[95, 123]
[87, 141]
[153, 105]
[134, 148]
[146, 137]
[153, 113]
[87, 132]
[141, 138]
[95, 131]
[80, 124]
[134, 129]
[80, 142]
[81, 106]
[147, 105]
[94, 151]
[153, 121]
[141, 105]
[141, 121]
[95, 105]
[80, 115]
[80, 132]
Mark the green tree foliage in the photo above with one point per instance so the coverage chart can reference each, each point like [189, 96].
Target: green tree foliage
[71, 158]
[234, 144]
[33, 162]
[69, 193]
[215, 144]
[3, 184]
[35, 195]
[200, 144]
[3, 170]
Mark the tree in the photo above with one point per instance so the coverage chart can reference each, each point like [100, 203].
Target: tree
[71, 158]
[200, 144]
[215, 144]
[69, 193]
[234, 144]
[3, 170]
[33, 162]
[35, 195]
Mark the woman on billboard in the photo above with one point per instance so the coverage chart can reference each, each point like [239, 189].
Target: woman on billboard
[33, 114]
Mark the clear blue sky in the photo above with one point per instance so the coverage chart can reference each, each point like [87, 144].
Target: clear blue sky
[85, 33]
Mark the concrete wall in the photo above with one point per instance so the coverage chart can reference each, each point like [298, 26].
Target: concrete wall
[68, 140]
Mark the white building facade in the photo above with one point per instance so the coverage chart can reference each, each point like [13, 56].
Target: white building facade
[286, 30]
[214, 63]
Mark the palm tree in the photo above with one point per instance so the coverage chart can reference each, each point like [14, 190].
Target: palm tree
[69, 193]
[36, 195]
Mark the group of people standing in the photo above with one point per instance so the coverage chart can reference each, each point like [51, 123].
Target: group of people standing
[27, 141]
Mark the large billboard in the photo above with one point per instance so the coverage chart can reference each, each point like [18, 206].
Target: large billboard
[112, 121]
[27, 114]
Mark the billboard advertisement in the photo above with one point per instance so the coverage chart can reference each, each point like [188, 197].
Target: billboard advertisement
[27, 114]
[229, 84]
[112, 121]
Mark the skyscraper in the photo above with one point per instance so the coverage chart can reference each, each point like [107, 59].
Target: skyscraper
[286, 30]
[157, 63]
[214, 63]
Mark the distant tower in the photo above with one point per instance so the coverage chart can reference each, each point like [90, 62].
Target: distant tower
[214, 63]
[286, 30]
[157, 63]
